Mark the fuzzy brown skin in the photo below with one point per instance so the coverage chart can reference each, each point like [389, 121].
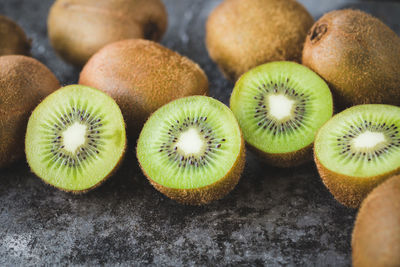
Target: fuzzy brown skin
[209, 193]
[242, 34]
[142, 76]
[350, 191]
[79, 28]
[24, 82]
[285, 160]
[376, 235]
[357, 55]
[13, 40]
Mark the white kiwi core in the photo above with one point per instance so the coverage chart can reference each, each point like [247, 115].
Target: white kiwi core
[280, 106]
[368, 139]
[74, 137]
[190, 142]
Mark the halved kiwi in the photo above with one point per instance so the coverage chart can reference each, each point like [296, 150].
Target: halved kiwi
[192, 150]
[75, 138]
[376, 234]
[280, 106]
[358, 149]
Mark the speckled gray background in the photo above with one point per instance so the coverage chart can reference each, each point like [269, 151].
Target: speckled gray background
[273, 217]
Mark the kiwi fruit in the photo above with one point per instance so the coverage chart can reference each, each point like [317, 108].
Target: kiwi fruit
[357, 55]
[13, 40]
[280, 106]
[24, 81]
[242, 34]
[358, 149]
[75, 138]
[376, 235]
[142, 76]
[79, 28]
[192, 150]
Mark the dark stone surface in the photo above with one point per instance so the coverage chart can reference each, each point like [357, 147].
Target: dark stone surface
[273, 217]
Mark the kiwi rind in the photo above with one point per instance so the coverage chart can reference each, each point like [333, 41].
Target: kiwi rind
[275, 31]
[13, 40]
[376, 234]
[30, 156]
[79, 28]
[142, 77]
[207, 192]
[349, 191]
[24, 82]
[357, 55]
[346, 189]
[285, 160]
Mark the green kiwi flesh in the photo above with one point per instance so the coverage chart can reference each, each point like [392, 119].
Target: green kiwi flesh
[75, 138]
[280, 106]
[376, 234]
[358, 56]
[24, 82]
[242, 34]
[192, 150]
[358, 149]
[79, 28]
[13, 40]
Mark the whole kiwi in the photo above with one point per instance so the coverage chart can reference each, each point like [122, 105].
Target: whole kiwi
[142, 76]
[79, 28]
[13, 40]
[242, 34]
[376, 235]
[357, 55]
[24, 81]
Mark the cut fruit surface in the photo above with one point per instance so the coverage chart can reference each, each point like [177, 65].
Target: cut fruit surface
[363, 141]
[358, 149]
[192, 150]
[280, 106]
[75, 138]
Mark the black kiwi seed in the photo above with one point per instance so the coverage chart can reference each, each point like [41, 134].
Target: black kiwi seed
[389, 132]
[62, 123]
[265, 120]
[210, 139]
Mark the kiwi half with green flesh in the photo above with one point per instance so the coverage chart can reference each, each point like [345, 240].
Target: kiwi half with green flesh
[24, 82]
[280, 106]
[376, 235]
[142, 76]
[13, 40]
[274, 31]
[357, 55]
[75, 138]
[357, 150]
[79, 28]
[192, 150]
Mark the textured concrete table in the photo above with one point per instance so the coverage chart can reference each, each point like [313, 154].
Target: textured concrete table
[273, 217]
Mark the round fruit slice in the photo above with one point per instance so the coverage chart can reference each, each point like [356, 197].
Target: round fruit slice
[357, 150]
[75, 138]
[280, 106]
[192, 150]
